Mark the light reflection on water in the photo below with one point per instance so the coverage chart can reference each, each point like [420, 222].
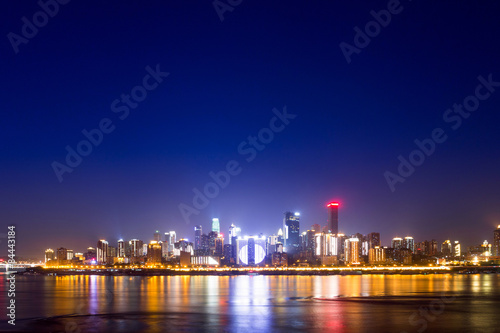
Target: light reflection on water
[256, 303]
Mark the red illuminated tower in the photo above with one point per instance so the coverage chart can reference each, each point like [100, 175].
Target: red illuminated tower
[333, 217]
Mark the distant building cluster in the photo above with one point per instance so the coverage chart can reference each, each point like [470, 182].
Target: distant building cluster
[317, 246]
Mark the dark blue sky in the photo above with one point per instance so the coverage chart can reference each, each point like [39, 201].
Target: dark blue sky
[353, 120]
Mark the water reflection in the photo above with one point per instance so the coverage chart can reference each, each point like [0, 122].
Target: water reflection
[259, 303]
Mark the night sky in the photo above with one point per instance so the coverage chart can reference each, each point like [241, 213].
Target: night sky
[225, 78]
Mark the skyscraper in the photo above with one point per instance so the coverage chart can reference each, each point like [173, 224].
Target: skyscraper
[157, 236]
[197, 237]
[62, 255]
[234, 232]
[457, 250]
[219, 245]
[409, 243]
[172, 239]
[281, 238]
[373, 240]
[397, 243]
[49, 255]
[352, 251]
[333, 217]
[433, 247]
[154, 253]
[291, 227]
[496, 241]
[135, 247]
[216, 225]
[446, 249]
[121, 248]
[91, 254]
[102, 251]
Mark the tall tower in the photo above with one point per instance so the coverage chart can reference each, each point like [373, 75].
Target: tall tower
[333, 217]
[197, 237]
[397, 243]
[373, 240]
[409, 243]
[157, 236]
[496, 241]
[234, 232]
[49, 255]
[102, 251]
[216, 225]
[121, 248]
[291, 226]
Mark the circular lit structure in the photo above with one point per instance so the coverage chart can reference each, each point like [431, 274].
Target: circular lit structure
[254, 255]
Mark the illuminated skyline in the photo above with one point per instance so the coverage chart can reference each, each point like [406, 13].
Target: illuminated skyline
[352, 121]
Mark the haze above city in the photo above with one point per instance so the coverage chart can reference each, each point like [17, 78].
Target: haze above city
[353, 120]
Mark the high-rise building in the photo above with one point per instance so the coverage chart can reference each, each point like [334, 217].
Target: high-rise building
[91, 254]
[376, 255]
[341, 240]
[281, 238]
[49, 255]
[291, 226]
[234, 232]
[373, 240]
[219, 245]
[62, 255]
[111, 254]
[325, 248]
[197, 237]
[183, 246]
[121, 248]
[409, 243]
[309, 241]
[164, 250]
[457, 250]
[333, 217]
[352, 251]
[172, 239]
[135, 248]
[154, 252]
[397, 243]
[422, 248]
[157, 236]
[69, 254]
[216, 225]
[433, 247]
[102, 252]
[316, 228]
[496, 241]
[251, 250]
[446, 248]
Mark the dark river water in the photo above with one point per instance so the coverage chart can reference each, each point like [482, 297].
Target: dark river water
[368, 303]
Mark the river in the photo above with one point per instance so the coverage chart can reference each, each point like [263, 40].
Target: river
[366, 303]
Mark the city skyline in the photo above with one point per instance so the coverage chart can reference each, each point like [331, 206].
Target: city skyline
[406, 241]
[347, 123]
